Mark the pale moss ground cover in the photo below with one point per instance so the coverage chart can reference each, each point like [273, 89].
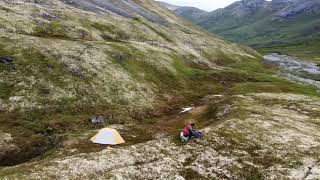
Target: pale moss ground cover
[80, 63]
[263, 136]
[69, 64]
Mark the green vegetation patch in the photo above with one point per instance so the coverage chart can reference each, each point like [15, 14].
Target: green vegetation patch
[164, 35]
[5, 90]
[53, 29]
[135, 62]
[28, 63]
[111, 32]
[252, 76]
[187, 79]
[274, 87]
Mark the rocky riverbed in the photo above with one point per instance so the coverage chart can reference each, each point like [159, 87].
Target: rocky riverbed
[295, 69]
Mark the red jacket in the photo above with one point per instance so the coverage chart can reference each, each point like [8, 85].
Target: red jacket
[186, 130]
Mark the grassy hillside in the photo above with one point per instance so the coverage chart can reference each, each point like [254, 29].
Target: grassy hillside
[68, 63]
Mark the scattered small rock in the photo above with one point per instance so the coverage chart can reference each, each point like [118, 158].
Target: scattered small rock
[98, 120]
[6, 60]
[49, 17]
[119, 57]
[16, 98]
[5, 138]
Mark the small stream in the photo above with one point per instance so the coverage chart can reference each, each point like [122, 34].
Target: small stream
[295, 69]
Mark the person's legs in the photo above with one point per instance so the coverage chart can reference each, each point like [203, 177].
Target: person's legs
[191, 135]
[196, 134]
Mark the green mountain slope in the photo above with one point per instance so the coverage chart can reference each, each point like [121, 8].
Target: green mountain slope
[267, 32]
[266, 24]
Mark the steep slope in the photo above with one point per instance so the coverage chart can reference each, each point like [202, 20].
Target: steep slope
[65, 60]
[236, 15]
[292, 24]
[260, 23]
[62, 61]
[81, 42]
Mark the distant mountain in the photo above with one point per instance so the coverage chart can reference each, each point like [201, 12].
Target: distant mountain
[261, 23]
[168, 6]
[190, 13]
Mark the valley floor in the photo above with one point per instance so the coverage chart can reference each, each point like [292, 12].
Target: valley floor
[256, 136]
[308, 51]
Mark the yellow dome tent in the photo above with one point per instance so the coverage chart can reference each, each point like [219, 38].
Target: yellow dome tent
[108, 136]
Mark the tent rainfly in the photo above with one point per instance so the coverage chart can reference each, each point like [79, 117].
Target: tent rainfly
[108, 136]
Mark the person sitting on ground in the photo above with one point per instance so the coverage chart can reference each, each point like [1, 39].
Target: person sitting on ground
[188, 132]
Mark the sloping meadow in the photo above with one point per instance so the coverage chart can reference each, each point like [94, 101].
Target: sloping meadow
[62, 62]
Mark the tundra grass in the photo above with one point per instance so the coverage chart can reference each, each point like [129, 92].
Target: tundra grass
[184, 81]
